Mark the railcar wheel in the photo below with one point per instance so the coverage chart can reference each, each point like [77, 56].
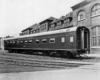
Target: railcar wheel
[44, 53]
[48, 53]
[18, 51]
[55, 54]
[10, 51]
[65, 54]
[58, 54]
[61, 54]
[51, 54]
[68, 55]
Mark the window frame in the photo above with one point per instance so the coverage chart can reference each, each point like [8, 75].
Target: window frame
[26, 41]
[37, 40]
[95, 37]
[30, 41]
[44, 41]
[81, 12]
[63, 39]
[95, 10]
[52, 39]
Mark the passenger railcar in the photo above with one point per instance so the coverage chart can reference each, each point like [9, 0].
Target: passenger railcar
[64, 42]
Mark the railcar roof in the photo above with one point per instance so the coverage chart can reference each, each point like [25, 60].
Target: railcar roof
[46, 33]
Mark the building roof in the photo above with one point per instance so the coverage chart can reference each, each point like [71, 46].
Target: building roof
[31, 27]
[81, 4]
[61, 18]
[69, 14]
[37, 26]
[50, 18]
[54, 21]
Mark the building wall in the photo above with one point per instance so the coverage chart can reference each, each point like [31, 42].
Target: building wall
[59, 24]
[62, 22]
[44, 27]
[26, 32]
[35, 29]
[89, 21]
[53, 25]
[67, 22]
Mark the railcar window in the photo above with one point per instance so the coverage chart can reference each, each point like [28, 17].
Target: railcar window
[10, 41]
[7, 42]
[26, 41]
[17, 42]
[52, 40]
[44, 40]
[71, 39]
[13, 41]
[30, 41]
[63, 39]
[37, 41]
[21, 41]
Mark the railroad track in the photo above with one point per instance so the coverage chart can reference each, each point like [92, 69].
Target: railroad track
[34, 61]
[38, 63]
[27, 56]
[30, 56]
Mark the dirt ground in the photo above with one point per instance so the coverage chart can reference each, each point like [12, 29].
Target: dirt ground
[12, 62]
[36, 67]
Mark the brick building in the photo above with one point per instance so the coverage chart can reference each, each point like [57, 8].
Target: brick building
[87, 13]
[35, 29]
[46, 24]
[30, 30]
[59, 22]
[53, 25]
[62, 22]
[68, 20]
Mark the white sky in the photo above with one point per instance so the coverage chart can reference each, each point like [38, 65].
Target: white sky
[16, 15]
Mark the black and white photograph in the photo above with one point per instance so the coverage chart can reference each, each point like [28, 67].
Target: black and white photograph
[49, 39]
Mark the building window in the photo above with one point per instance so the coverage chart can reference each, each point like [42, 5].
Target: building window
[59, 23]
[52, 26]
[31, 31]
[96, 36]
[95, 9]
[81, 15]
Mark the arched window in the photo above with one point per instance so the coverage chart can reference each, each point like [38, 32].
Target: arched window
[95, 9]
[81, 15]
[96, 36]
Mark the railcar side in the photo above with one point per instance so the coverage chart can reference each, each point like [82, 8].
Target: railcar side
[63, 43]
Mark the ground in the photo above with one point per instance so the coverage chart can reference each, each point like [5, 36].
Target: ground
[32, 67]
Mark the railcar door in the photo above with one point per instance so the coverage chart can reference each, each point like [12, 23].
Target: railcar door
[83, 38]
[86, 39]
